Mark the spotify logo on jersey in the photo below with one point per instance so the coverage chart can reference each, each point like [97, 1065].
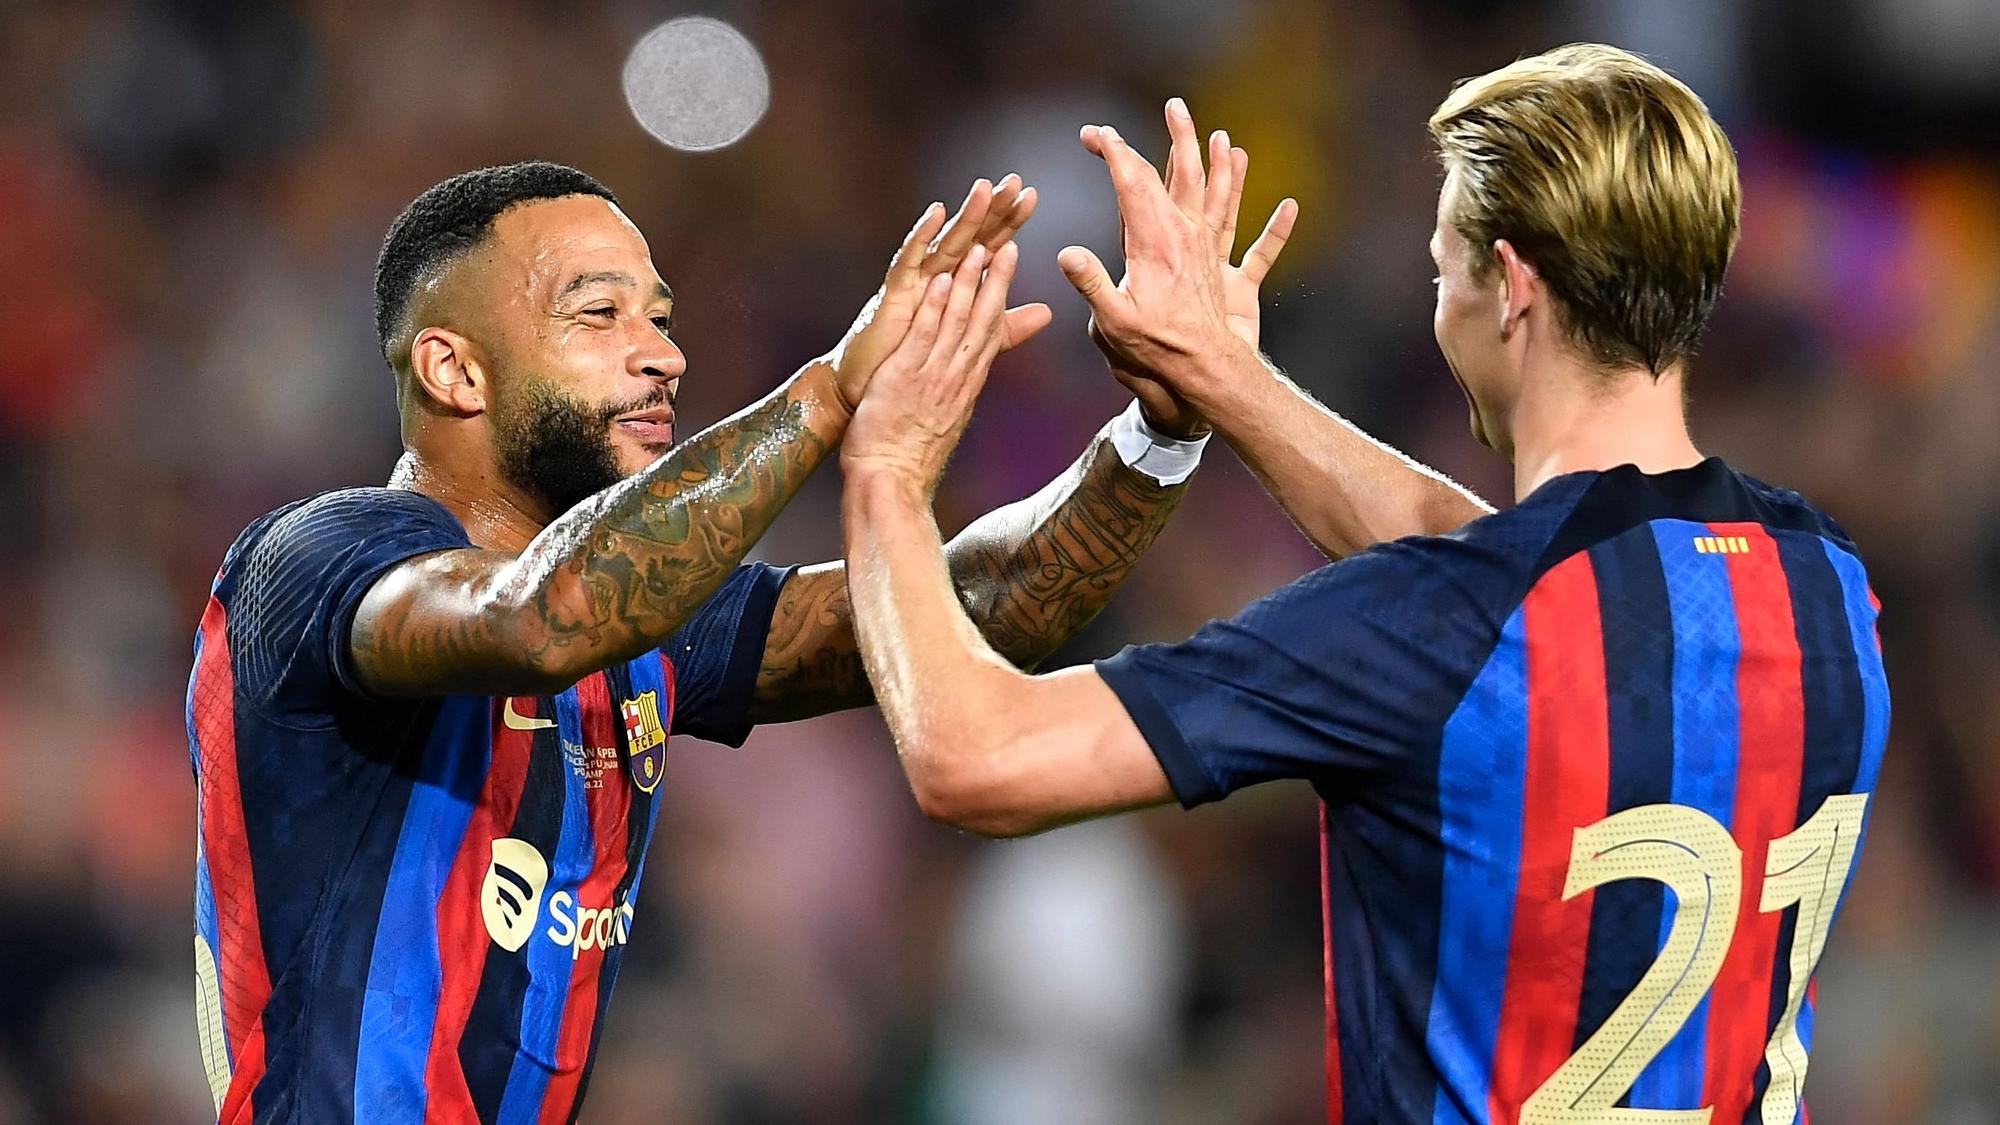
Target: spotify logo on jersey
[511, 903]
[511, 898]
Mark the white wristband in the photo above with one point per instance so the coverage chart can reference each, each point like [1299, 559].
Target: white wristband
[1146, 450]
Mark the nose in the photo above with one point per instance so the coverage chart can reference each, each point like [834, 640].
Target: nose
[657, 358]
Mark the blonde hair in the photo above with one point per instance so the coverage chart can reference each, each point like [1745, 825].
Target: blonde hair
[1610, 176]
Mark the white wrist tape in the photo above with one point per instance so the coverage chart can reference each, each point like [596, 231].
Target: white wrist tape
[1146, 450]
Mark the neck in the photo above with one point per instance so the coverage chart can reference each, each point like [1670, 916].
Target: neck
[1577, 417]
[496, 516]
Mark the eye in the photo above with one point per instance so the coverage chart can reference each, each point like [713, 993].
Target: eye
[606, 311]
[665, 324]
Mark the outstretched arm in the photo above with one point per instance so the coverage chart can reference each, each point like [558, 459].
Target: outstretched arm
[985, 746]
[1186, 316]
[1031, 575]
[614, 576]
[1343, 487]
[619, 573]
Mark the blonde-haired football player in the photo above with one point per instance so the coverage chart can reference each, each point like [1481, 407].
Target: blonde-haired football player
[1594, 769]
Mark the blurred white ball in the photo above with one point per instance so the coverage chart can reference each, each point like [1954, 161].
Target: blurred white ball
[696, 83]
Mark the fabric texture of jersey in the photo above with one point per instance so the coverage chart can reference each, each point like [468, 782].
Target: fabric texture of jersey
[414, 911]
[1594, 773]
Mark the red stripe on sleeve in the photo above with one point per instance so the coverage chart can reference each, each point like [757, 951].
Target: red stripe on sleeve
[609, 805]
[1335, 1100]
[1567, 787]
[245, 978]
[462, 938]
[1770, 760]
[669, 680]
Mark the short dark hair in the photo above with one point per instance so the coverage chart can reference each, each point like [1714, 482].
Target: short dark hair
[453, 217]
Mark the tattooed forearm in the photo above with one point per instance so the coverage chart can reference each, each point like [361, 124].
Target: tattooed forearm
[611, 578]
[1031, 575]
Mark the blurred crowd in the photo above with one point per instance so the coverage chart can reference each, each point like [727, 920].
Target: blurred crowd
[192, 193]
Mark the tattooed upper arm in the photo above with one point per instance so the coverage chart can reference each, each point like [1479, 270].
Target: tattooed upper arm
[612, 577]
[812, 662]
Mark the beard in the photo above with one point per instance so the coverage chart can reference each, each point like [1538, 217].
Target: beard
[556, 447]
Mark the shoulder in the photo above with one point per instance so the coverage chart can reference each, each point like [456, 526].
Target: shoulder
[335, 522]
[1489, 562]
[363, 510]
[1788, 509]
[289, 585]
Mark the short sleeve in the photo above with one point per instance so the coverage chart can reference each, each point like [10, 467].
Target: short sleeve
[717, 653]
[292, 590]
[1339, 677]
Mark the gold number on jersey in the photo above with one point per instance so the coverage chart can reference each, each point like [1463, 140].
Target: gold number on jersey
[1694, 855]
[208, 1022]
[1809, 868]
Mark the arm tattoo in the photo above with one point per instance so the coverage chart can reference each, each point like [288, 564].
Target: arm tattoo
[621, 571]
[1031, 574]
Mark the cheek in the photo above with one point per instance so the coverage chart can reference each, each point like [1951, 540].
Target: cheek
[1448, 319]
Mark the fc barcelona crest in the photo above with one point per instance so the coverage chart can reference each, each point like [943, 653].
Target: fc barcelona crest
[645, 739]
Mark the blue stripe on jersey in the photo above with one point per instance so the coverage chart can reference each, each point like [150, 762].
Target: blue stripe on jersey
[1707, 647]
[1637, 627]
[1861, 618]
[1829, 675]
[548, 963]
[1805, 1029]
[648, 674]
[1482, 777]
[404, 974]
[1868, 656]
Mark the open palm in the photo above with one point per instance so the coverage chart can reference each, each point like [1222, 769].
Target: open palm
[1207, 202]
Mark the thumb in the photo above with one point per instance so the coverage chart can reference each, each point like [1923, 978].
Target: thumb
[1021, 324]
[1088, 274]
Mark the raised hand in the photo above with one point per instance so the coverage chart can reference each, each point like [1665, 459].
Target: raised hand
[989, 219]
[1182, 300]
[920, 400]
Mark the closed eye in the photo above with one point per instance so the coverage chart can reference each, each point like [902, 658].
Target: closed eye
[601, 310]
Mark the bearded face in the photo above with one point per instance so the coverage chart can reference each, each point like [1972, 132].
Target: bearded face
[556, 446]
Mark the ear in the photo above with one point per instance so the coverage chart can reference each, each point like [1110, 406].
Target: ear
[1520, 286]
[450, 371]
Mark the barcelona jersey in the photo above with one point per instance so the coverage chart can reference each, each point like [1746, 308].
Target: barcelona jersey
[1594, 772]
[414, 910]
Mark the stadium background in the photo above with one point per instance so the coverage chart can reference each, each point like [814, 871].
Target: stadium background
[191, 197]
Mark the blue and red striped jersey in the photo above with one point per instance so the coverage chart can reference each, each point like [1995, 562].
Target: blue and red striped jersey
[1594, 775]
[414, 910]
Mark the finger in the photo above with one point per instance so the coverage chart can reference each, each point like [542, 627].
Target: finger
[963, 231]
[1140, 193]
[991, 302]
[1092, 280]
[1006, 191]
[1021, 324]
[1225, 193]
[965, 287]
[910, 254]
[1239, 163]
[907, 358]
[1258, 259]
[1016, 218]
[1183, 158]
[975, 358]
